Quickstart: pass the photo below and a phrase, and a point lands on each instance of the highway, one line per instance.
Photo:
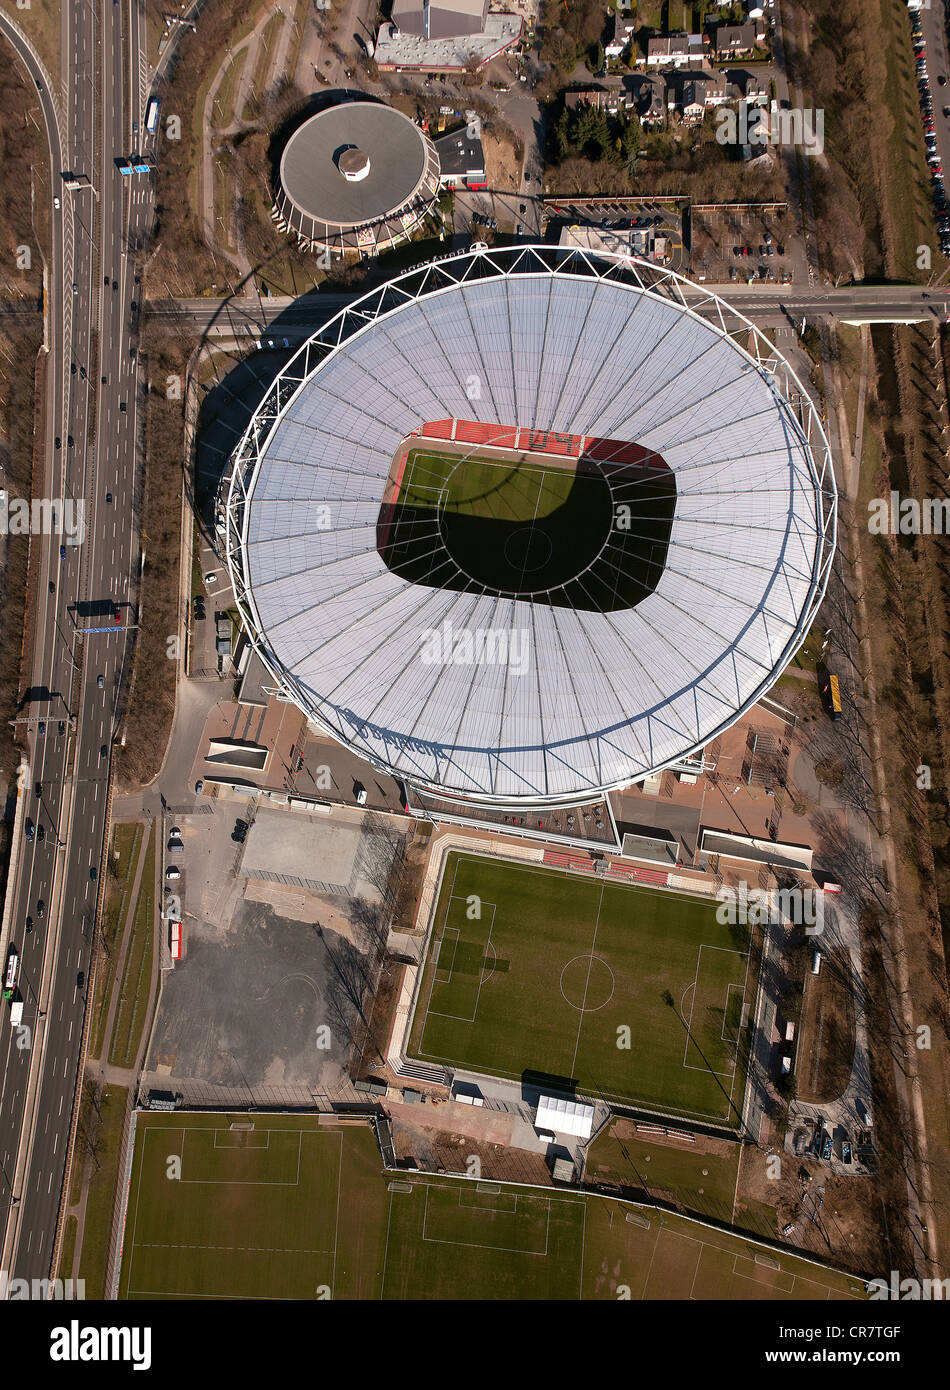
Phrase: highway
(89, 454)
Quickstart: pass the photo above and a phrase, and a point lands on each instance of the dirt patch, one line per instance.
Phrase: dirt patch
(826, 1041)
(446, 1151)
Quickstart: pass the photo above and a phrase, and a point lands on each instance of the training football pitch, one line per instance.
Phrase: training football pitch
(291, 1209)
(573, 534)
(635, 993)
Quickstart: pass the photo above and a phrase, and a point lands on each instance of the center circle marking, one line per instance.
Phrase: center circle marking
(587, 983)
(528, 549)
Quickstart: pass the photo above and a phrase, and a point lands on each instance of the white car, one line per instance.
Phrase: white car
(173, 871)
(56, 203)
(211, 576)
(175, 833)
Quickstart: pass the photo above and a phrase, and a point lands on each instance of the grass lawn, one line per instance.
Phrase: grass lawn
(106, 1126)
(126, 846)
(702, 1182)
(588, 536)
(632, 992)
(130, 1015)
(293, 1209)
(284, 1210)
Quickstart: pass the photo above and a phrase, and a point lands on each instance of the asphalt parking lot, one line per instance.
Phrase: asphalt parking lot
(267, 996)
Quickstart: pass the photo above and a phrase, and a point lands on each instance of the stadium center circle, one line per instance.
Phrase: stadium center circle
(590, 979)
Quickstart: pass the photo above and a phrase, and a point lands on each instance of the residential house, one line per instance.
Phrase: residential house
(646, 95)
(676, 50)
(622, 29)
(609, 101)
(699, 92)
(736, 40)
(461, 160)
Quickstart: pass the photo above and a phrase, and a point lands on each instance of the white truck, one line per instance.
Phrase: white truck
(16, 1013)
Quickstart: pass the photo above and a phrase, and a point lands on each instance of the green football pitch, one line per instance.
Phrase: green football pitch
(578, 536)
(291, 1209)
(634, 993)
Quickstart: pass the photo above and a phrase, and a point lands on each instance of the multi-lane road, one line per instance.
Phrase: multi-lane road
(77, 672)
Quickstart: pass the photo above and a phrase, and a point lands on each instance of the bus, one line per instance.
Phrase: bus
(830, 692)
(151, 116)
(11, 973)
(834, 697)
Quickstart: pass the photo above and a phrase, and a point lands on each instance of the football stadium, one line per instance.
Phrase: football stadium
(528, 524)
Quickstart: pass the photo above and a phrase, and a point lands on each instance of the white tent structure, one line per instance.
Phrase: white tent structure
(565, 1116)
(565, 341)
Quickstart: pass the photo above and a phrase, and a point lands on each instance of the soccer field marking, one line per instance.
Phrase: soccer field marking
(441, 969)
(586, 1008)
(482, 977)
(480, 1245)
(725, 1016)
(447, 1056)
(689, 1066)
(242, 1132)
(241, 1182)
(577, 1041)
(235, 1249)
(148, 1130)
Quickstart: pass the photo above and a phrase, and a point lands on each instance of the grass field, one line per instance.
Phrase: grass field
(534, 970)
(291, 1209)
(521, 526)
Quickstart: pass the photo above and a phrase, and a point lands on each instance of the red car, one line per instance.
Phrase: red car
(117, 615)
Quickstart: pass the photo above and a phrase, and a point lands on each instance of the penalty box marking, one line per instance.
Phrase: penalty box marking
(727, 950)
(241, 1182)
(480, 1245)
(482, 977)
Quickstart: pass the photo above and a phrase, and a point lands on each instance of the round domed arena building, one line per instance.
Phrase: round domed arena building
(358, 176)
(529, 524)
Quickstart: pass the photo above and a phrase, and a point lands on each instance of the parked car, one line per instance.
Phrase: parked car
(173, 871)
(826, 1146)
(30, 829)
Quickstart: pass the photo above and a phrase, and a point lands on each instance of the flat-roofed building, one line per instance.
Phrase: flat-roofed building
(447, 19)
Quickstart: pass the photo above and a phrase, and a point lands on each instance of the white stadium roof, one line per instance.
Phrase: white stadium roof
(565, 1116)
(555, 340)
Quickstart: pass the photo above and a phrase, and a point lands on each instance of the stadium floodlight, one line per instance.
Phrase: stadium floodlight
(527, 524)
